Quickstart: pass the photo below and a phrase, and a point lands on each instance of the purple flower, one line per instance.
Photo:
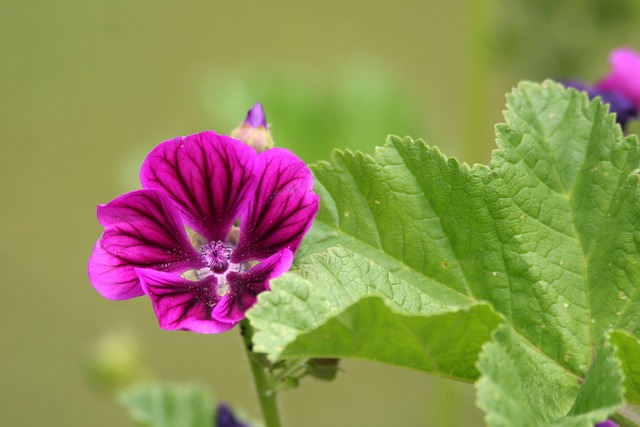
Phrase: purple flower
(606, 423)
(621, 88)
(624, 78)
(226, 418)
(178, 240)
(254, 131)
(623, 107)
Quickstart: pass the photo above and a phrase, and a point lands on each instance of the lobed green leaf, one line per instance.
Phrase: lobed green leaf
(543, 241)
(344, 305)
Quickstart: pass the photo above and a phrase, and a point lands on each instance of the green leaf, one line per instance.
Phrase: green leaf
(170, 405)
(629, 352)
(547, 236)
(347, 306)
(509, 401)
(600, 394)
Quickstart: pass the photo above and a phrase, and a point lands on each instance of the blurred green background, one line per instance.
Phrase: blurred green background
(88, 87)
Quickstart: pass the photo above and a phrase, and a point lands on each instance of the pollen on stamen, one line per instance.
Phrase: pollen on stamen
(216, 256)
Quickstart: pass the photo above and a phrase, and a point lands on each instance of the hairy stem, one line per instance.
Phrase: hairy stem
(261, 378)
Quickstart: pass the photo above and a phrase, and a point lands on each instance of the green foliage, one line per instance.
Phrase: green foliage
(345, 316)
(576, 38)
(629, 352)
(170, 406)
(548, 390)
(313, 111)
(433, 255)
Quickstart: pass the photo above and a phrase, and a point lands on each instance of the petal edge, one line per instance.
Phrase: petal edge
(181, 304)
(142, 229)
(245, 287)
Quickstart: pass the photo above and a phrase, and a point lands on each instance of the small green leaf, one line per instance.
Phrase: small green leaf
(600, 394)
(170, 405)
(567, 400)
(323, 368)
(629, 353)
(510, 401)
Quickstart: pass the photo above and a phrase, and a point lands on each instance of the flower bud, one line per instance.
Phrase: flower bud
(226, 418)
(254, 131)
(116, 362)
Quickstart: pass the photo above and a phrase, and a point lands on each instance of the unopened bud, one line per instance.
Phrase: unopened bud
(254, 131)
(116, 362)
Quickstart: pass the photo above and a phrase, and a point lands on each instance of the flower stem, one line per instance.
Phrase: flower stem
(261, 377)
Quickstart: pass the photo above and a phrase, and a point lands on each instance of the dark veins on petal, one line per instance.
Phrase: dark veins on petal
(180, 300)
(143, 228)
(279, 220)
(188, 172)
(191, 300)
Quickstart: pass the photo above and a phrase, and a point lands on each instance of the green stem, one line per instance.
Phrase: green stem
(261, 378)
(477, 80)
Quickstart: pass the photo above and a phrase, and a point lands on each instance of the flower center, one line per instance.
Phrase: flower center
(216, 256)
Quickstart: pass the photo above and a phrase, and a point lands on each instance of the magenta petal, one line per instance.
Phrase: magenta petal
(111, 276)
(208, 176)
(142, 229)
(281, 210)
(231, 308)
(624, 78)
(245, 287)
(182, 304)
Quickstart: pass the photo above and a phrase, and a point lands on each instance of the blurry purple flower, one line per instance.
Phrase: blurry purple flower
(623, 107)
(607, 423)
(621, 88)
(225, 418)
(624, 78)
(254, 131)
(177, 240)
